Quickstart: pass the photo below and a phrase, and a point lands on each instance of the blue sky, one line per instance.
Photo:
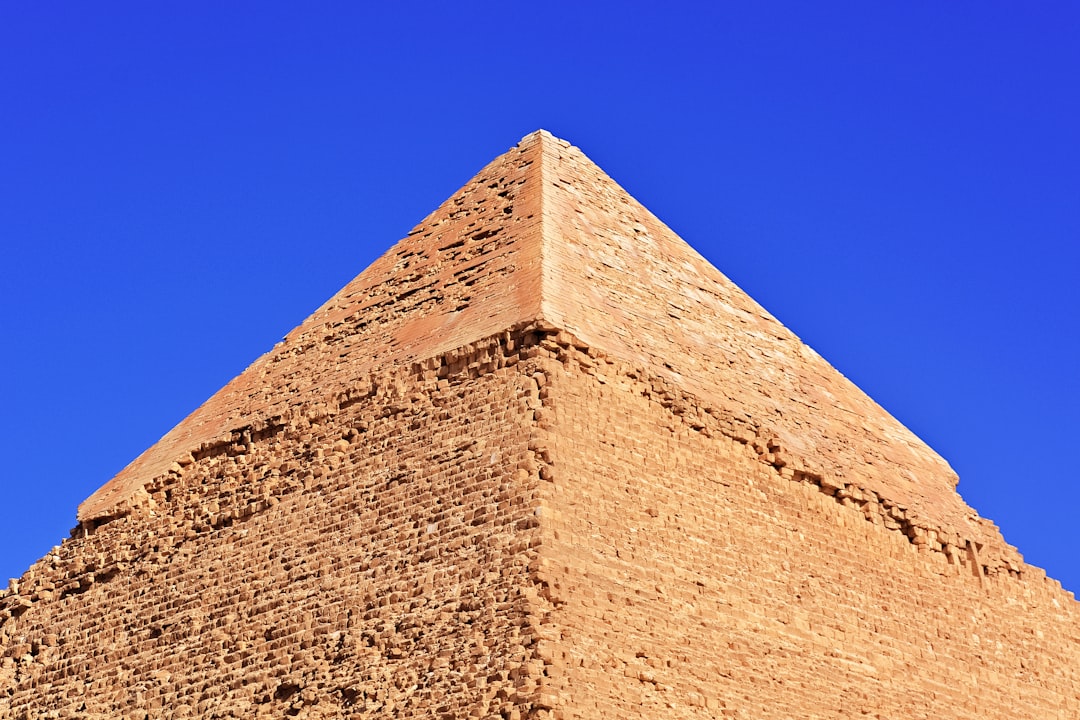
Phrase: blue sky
(899, 183)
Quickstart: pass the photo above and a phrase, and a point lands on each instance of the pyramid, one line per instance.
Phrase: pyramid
(539, 460)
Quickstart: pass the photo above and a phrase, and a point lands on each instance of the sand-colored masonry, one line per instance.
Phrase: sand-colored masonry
(540, 460)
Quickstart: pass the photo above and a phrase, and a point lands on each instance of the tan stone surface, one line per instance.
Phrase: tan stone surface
(469, 271)
(682, 576)
(539, 460)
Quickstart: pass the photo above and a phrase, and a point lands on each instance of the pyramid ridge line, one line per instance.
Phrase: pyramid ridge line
(543, 138)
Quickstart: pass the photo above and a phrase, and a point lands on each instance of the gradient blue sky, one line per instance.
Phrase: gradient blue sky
(898, 182)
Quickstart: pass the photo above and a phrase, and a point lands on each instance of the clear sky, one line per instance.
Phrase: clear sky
(898, 182)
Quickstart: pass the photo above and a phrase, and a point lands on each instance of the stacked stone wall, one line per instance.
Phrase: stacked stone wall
(686, 572)
(526, 527)
(368, 557)
(640, 496)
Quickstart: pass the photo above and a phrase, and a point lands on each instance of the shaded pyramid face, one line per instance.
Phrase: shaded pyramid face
(538, 460)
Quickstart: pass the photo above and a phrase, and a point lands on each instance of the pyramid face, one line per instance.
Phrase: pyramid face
(538, 460)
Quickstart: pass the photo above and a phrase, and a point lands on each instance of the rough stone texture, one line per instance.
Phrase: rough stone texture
(539, 460)
(686, 576)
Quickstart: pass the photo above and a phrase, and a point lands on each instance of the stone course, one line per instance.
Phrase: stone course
(540, 460)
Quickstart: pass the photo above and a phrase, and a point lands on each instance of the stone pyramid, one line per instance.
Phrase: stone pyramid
(539, 460)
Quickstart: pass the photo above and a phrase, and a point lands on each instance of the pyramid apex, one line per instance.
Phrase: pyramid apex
(541, 135)
(537, 133)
